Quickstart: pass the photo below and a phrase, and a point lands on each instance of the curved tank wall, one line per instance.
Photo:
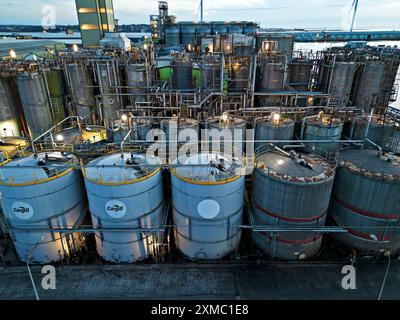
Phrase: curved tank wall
(124, 191)
(48, 193)
(139, 132)
(369, 85)
(175, 129)
(379, 131)
(269, 129)
(9, 117)
(240, 73)
(203, 30)
(55, 83)
(291, 192)
(188, 35)
(342, 80)
(323, 128)
(234, 127)
(35, 102)
(107, 80)
(220, 29)
(207, 205)
(80, 88)
(271, 80)
(137, 81)
(364, 201)
(182, 75)
(172, 36)
(210, 76)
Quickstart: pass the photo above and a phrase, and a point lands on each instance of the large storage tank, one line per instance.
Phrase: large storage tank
(300, 71)
(182, 75)
(234, 127)
(291, 192)
(179, 127)
(220, 29)
(380, 130)
(271, 80)
(342, 80)
(369, 85)
(365, 201)
(172, 36)
(322, 127)
(285, 42)
(35, 102)
(207, 196)
(188, 35)
(43, 192)
(235, 28)
(108, 80)
(137, 81)
(203, 30)
(125, 191)
(210, 76)
(9, 115)
(240, 76)
(140, 128)
(55, 83)
(273, 127)
(80, 86)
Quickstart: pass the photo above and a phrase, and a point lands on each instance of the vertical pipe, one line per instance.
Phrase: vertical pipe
(201, 9)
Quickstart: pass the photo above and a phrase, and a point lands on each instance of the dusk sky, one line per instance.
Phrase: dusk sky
(382, 14)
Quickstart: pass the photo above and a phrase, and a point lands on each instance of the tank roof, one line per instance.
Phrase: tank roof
(299, 168)
(229, 122)
(119, 168)
(372, 163)
(207, 167)
(44, 166)
(268, 121)
(324, 121)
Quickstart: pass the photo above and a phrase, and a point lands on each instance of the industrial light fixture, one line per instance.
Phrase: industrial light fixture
(59, 137)
(124, 117)
(75, 47)
(12, 54)
(225, 117)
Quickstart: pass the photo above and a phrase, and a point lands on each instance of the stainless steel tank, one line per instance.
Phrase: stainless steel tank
(235, 28)
(45, 193)
(203, 30)
(220, 29)
(369, 85)
(210, 76)
(342, 80)
(207, 196)
(188, 35)
(271, 80)
(35, 102)
(125, 191)
(175, 129)
(172, 36)
(322, 128)
(379, 131)
(140, 128)
(290, 192)
(300, 77)
(182, 75)
(80, 87)
(240, 76)
(365, 202)
(234, 127)
(273, 128)
(108, 81)
(137, 81)
(9, 117)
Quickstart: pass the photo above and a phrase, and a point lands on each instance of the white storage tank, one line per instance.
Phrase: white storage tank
(43, 192)
(207, 196)
(125, 192)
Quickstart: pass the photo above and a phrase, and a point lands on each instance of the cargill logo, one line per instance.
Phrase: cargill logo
(21, 210)
(115, 208)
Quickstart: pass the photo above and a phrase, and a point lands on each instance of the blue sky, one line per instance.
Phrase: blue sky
(270, 13)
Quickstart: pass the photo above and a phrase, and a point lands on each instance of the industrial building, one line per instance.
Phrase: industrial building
(96, 17)
(312, 167)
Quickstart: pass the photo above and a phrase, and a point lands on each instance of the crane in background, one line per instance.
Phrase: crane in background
(353, 20)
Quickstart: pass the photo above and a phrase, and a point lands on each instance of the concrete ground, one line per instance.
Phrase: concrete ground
(203, 281)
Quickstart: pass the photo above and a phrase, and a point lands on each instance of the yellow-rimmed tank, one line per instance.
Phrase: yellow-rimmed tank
(40, 194)
(208, 198)
(126, 197)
